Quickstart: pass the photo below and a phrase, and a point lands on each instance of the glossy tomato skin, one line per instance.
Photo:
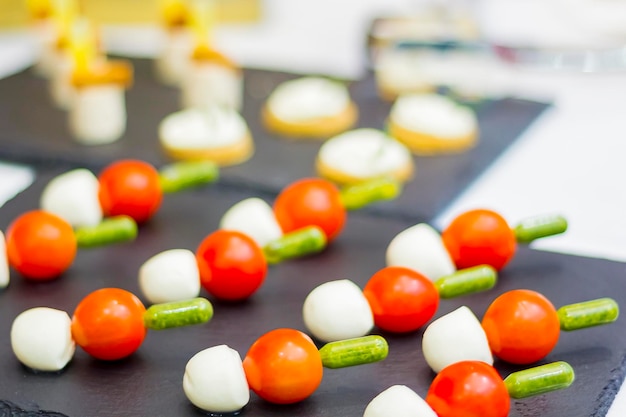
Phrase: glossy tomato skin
(232, 266)
(469, 389)
(40, 245)
(522, 326)
(402, 300)
(479, 237)
(311, 201)
(130, 187)
(108, 324)
(283, 366)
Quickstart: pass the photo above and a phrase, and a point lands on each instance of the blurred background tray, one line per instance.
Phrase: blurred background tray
(150, 381)
(276, 162)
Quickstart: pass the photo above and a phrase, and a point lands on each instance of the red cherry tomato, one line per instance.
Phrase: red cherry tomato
(130, 187)
(108, 324)
(283, 366)
(401, 299)
(40, 245)
(522, 326)
(469, 389)
(232, 265)
(479, 237)
(311, 201)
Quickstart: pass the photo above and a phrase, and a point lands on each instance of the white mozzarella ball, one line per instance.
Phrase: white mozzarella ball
(171, 275)
(5, 274)
(337, 310)
(455, 337)
(398, 401)
(421, 249)
(73, 196)
(215, 380)
(41, 338)
(255, 218)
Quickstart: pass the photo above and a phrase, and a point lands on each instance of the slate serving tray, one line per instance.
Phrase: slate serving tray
(149, 383)
(32, 130)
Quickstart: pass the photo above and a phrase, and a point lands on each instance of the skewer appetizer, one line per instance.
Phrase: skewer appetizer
(520, 326)
(126, 187)
(283, 366)
(171, 63)
(97, 112)
(109, 324)
(211, 77)
(228, 264)
(475, 237)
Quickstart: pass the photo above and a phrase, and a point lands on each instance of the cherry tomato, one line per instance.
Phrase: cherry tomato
(108, 324)
(311, 201)
(130, 187)
(232, 265)
(283, 366)
(401, 299)
(469, 389)
(479, 237)
(40, 245)
(522, 326)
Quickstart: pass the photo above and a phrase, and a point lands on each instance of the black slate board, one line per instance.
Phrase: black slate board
(149, 383)
(33, 131)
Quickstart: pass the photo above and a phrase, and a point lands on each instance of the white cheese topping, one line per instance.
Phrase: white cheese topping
(212, 127)
(308, 98)
(171, 275)
(255, 218)
(337, 310)
(433, 114)
(398, 401)
(364, 153)
(5, 274)
(455, 337)
(73, 196)
(41, 338)
(215, 380)
(421, 249)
